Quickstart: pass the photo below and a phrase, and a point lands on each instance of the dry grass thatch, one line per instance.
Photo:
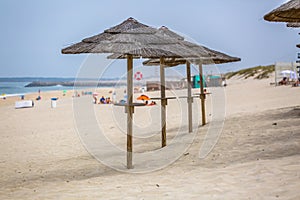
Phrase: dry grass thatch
(144, 41)
(126, 25)
(215, 58)
(293, 24)
(288, 12)
(171, 62)
(205, 55)
(86, 45)
(166, 31)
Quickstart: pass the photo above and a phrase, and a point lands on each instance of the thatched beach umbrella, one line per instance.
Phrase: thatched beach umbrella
(288, 12)
(293, 25)
(215, 58)
(298, 45)
(143, 42)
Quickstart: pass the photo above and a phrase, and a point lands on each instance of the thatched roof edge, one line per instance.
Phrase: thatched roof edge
(293, 24)
(288, 12)
(126, 25)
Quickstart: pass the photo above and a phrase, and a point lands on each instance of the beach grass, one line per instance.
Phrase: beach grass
(258, 72)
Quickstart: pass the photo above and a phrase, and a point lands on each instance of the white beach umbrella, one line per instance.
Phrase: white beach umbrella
(289, 73)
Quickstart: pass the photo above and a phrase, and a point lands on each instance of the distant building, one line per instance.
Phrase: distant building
(208, 81)
(153, 85)
(214, 81)
(170, 85)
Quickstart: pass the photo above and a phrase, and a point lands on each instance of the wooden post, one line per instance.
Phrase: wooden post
(163, 102)
(189, 99)
(129, 109)
(202, 95)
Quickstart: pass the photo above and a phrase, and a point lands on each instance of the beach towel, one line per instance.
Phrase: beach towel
(24, 104)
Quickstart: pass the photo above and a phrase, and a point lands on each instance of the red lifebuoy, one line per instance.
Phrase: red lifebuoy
(138, 76)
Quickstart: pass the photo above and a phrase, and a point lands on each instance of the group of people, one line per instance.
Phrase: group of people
(102, 100)
(152, 103)
(285, 81)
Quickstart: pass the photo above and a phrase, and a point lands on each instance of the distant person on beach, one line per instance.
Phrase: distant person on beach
(224, 82)
(102, 100)
(114, 97)
(76, 94)
(125, 96)
(283, 81)
(297, 83)
(152, 103)
(108, 101)
(39, 95)
(95, 99)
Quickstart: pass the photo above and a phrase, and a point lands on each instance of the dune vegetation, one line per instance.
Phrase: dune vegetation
(258, 72)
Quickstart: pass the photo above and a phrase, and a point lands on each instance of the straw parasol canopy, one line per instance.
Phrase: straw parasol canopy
(87, 44)
(126, 25)
(166, 31)
(218, 59)
(204, 54)
(298, 45)
(293, 24)
(215, 58)
(146, 42)
(288, 12)
(163, 30)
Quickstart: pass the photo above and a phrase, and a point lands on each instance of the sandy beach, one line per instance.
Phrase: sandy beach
(256, 157)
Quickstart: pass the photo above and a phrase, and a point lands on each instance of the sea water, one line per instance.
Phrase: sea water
(18, 88)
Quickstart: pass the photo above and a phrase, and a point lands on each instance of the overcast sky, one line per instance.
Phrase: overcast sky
(33, 32)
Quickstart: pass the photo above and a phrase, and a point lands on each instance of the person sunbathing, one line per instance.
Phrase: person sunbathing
(297, 83)
(152, 103)
(283, 81)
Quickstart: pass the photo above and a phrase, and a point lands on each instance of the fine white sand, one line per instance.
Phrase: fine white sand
(256, 156)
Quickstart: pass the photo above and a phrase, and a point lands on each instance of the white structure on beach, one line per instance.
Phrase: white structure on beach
(281, 67)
